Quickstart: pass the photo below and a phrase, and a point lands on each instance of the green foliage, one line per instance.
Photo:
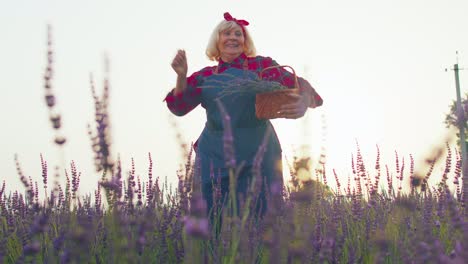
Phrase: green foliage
(452, 119)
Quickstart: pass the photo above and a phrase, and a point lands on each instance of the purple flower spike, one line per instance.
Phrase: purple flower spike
(198, 206)
(32, 249)
(228, 140)
(197, 227)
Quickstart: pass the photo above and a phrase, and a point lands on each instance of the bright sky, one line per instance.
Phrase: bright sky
(379, 65)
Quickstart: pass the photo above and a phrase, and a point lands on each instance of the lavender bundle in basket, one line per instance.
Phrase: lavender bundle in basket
(236, 86)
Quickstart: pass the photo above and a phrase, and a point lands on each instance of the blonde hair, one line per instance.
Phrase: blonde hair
(212, 51)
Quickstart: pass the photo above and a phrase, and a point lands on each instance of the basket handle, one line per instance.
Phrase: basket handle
(296, 82)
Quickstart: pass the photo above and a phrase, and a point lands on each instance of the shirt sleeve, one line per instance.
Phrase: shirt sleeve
(286, 78)
(305, 88)
(182, 103)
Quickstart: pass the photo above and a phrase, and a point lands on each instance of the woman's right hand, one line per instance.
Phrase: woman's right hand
(179, 63)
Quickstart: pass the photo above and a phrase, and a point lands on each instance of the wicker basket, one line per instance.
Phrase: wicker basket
(268, 104)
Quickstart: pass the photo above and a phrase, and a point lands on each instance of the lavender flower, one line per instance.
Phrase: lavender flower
(32, 248)
(197, 227)
(50, 98)
(228, 138)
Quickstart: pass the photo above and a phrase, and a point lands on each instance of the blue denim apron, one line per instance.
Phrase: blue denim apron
(248, 133)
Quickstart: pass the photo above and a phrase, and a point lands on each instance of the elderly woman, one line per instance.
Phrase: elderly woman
(231, 46)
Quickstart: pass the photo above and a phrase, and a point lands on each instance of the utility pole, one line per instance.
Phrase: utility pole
(460, 112)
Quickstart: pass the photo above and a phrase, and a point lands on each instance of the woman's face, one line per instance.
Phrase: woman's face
(231, 42)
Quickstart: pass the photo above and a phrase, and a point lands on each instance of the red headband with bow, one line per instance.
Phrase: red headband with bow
(240, 22)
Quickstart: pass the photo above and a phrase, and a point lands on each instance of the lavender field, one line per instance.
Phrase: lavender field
(129, 220)
(382, 214)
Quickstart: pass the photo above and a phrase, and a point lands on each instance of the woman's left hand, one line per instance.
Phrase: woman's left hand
(297, 109)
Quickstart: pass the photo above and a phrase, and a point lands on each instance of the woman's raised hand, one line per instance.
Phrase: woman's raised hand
(179, 63)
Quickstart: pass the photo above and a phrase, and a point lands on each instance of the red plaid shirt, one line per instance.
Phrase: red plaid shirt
(187, 100)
